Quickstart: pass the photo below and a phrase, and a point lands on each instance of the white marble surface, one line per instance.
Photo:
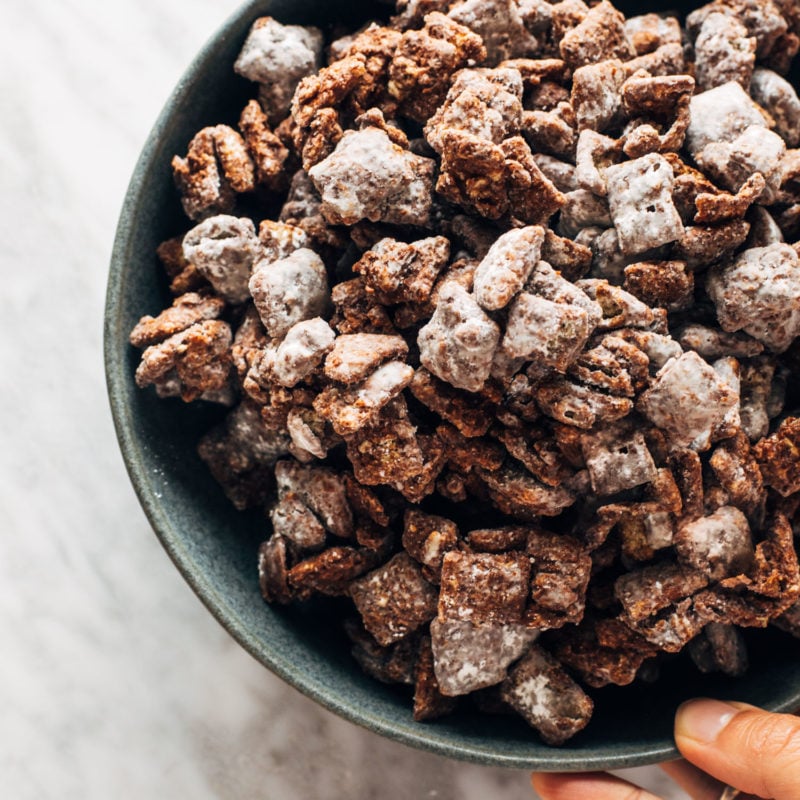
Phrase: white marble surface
(114, 680)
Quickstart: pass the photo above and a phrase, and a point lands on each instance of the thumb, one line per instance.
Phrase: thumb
(753, 750)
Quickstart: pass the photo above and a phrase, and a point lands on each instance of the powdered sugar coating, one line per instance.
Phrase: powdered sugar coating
(301, 350)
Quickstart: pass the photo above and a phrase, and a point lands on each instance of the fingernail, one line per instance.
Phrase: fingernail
(703, 720)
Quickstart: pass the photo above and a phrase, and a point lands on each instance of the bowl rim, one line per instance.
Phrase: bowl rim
(117, 379)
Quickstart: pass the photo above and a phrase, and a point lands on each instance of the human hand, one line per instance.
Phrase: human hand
(731, 744)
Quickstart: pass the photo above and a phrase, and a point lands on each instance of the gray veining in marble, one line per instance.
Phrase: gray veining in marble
(114, 680)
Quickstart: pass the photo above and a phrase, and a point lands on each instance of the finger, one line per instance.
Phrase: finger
(583, 785)
(743, 746)
(696, 783)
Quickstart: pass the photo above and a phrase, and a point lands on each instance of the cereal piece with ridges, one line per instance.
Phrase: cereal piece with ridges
(723, 52)
(517, 493)
(500, 25)
(648, 32)
(779, 457)
(273, 569)
(719, 648)
(394, 599)
(429, 701)
(549, 700)
(289, 291)
(185, 311)
(426, 538)
(471, 414)
(666, 284)
(468, 657)
(295, 522)
(779, 98)
(355, 356)
(224, 249)
(617, 459)
(266, 149)
(331, 571)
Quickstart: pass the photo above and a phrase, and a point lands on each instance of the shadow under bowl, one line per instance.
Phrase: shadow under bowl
(214, 547)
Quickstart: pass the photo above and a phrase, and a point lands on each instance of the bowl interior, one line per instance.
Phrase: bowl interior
(214, 546)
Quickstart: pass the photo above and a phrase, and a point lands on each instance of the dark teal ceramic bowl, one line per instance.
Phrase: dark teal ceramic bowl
(214, 547)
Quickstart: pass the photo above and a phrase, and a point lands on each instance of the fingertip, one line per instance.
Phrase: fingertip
(703, 719)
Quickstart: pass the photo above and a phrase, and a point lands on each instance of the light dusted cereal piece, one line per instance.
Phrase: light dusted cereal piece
(197, 358)
(548, 333)
(545, 282)
(723, 52)
(732, 164)
(426, 538)
(549, 700)
(330, 572)
(321, 489)
(552, 131)
(183, 276)
(600, 36)
(265, 148)
(394, 599)
(278, 57)
(471, 414)
(302, 350)
(397, 272)
(757, 377)
(500, 25)
(289, 291)
(719, 545)
(350, 409)
(356, 311)
(560, 572)
(617, 459)
(302, 209)
(425, 61)
(295, 522)
(539, 454)
(594, 153)
(386, 450)
(240, 453)
(620, 308)
(712, 343)
(369, 177)
(571, 404)
(184, 312)
(465, 454)
(517, 493)
(648, 32)
(779, 457)
(224, 248)
(415, 488)
(666, 60)
(666, 284)
(498, 540)
(484, 587)
(484, 102)
(216, 167)
(468, 657)
(279, 240)
(640, 201)
(720, 648)
(738, 473)
(702, 244)
(764, 231)
(429, 701)
(458, 343)
(571, 259)
(355, 356)
(715, 207)
(583, 209)
(688, 400)
(779, 98)
(756, 293)
(596, 95)
(309, 438)
(720, 115)
(392, 664)
(273, 570)
(560, 173)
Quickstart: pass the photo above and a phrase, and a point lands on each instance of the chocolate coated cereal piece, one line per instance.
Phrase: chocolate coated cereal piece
(484, 587)
(600, 36)
(185, 311)
(755, 294)
(539, 454)
(272, 570)
(464, 454)
(505, 268)
(779, 457)
(517, 493)
(779, 98)
(429, 701)
(738, 473)
(266, 149)
(571, 404)
(289, 291)
(330, 572)
(356, 311)
(723, 52)
(596, 95)
(640, 200)
(223, 249)
(546, 697)
(648, 32)
(355, 356)
(471, 414)
(719, 544)
(184, 277)
(293, 521)
(701, 245)
(711, 343)
(394, 599)
(498, 540)
(426, 538)
(614, 365)
(278, 57)
(617, 458)
(393, 664)
(571, 259)
(397, 272)
(459, 341)
(425, 61)
(667, 284)
(302, 350)
(720, 648)
(350, 409)
(369, 177)
(665, 60)
(688, 400)
(467, 657)
(434, 458)
(500, 25)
